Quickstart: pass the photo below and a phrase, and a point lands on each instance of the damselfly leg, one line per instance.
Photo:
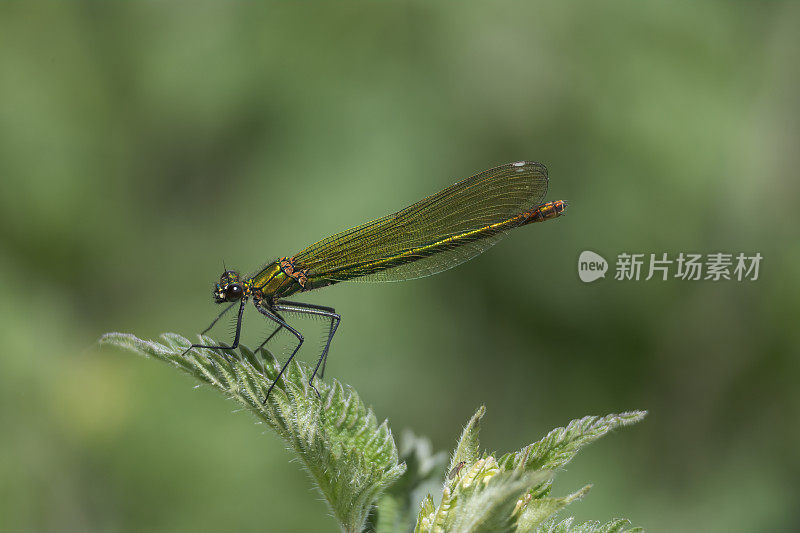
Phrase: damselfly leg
(217, 319)
(235, 338)
(270, 337)
(272, 316)
(315, 310)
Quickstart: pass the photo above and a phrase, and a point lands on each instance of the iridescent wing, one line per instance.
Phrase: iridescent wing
(432, 235)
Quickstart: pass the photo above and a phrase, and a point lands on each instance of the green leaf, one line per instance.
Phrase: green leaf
(481, 499)
(491, 510)
(510, 494)
(536, 511)
(565, 526)
(468, 448)
(561, 445)
(426, 511)
(350, 457)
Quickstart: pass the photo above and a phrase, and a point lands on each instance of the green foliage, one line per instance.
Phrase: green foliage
(513, 493)
(350, 457)
(565, 526)
(355, 463)
(398, 507)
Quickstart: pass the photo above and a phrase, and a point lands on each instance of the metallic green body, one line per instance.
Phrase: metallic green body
(288, 276)
(273, 283)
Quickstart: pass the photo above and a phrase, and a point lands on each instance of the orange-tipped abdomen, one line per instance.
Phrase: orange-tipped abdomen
(546, 211)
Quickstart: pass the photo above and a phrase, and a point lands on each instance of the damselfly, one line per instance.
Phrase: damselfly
(434, 234)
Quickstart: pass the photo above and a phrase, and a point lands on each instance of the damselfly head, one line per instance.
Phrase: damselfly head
(229, 288)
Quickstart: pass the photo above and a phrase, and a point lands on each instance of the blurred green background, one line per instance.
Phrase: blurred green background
(143, 144)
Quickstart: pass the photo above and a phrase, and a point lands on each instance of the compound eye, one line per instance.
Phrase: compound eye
(233, 292)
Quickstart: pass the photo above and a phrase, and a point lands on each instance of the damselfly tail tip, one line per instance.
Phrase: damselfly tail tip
(555, 209)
